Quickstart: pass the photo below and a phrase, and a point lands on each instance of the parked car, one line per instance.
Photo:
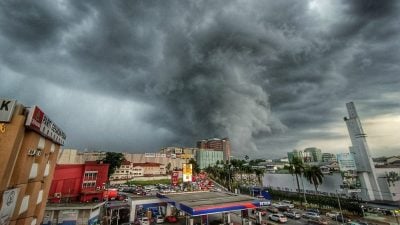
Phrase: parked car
(262, 211)
(317, 221)
(144, 221)
(332, 214)
(292, 214)
(272, 209)
(171, 219)
(283, 208)
(159, 219)
(314, 211)
(341, 218)
(309, 215)
(287, 203)
(278, 218)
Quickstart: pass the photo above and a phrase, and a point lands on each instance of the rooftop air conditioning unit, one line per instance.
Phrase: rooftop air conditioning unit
(32, 152)
(57, 195)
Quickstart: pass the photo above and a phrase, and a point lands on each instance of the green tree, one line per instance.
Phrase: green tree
(115, 160)
(195, 166)
(168, 168)
(314, 175)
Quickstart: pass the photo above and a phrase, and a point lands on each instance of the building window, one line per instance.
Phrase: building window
(90, 175)
(88, 184)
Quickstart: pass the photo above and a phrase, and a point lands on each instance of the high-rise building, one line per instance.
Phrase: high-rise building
(362, 155)
(295, 154)
(315, 154)
(328, 157)
(29, 145)
(217, 144)
(206, 158)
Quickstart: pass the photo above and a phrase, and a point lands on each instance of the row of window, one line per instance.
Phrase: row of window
(90, 175)
(89, 184)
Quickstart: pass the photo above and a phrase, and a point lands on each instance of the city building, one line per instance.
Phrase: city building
(362, 156)
(171, 160)
(29, 145)
(315, 154)
(295, 154)
(217, 145)
(79, 182)
(328, 157)
(128, 171)
(76, 194)
(206, 158)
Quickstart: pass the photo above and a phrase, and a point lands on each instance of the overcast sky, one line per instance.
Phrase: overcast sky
(273, 76)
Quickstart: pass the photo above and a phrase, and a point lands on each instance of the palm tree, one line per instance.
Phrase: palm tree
(314, 176)
(296, 168)
(259, 174)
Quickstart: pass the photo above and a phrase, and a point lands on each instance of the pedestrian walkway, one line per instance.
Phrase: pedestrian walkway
(381, 219)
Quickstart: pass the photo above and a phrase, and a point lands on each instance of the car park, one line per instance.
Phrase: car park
(278, 218)
(341, 218)
(332, 214)
(309, 215)
(287, 203)
(171, 219)
(262, 211)
(159, 219)
(292, 214)
(314, 211)
(317, 221)
(272, 209)
(144, 221)
(283, 208)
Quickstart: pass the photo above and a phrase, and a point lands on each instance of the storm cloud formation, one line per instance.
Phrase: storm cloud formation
(141, 75)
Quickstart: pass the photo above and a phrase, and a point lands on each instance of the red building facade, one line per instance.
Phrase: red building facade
(78, 182)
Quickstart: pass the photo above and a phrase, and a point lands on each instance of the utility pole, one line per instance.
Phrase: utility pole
(340, 207)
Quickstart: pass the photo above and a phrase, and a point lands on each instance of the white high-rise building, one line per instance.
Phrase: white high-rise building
(370, 189)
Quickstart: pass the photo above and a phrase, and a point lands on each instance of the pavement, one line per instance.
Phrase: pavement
(388, 220)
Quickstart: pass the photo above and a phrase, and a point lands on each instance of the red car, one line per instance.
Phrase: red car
(171, 219)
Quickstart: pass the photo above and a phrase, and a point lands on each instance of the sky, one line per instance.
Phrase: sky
(273, 76)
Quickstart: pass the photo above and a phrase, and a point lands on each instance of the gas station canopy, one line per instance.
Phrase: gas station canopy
(201, 203)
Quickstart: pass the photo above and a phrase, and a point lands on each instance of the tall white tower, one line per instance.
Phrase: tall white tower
(362, 156)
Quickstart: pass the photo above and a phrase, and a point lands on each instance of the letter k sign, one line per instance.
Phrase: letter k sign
(4, 105)
(6, 109)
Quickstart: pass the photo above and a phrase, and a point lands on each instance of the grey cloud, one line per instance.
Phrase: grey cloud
(259, 73)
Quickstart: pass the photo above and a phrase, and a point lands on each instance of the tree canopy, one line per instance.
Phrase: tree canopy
(115, 160)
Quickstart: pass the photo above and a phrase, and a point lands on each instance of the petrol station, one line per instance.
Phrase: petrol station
(200, 204)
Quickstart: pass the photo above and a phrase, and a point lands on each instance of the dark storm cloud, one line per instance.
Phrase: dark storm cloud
(263, 73)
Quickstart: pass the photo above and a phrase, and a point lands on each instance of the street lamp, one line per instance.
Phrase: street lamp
(340, 207)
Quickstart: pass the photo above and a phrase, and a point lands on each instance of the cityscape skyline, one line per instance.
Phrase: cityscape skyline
(271, 76)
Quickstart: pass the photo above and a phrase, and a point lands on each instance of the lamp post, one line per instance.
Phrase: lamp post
(340, 207)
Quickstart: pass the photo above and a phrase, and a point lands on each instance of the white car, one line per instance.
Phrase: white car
(278, 218)
(311, 215)
(159, 219)
(144, 221)
(332, 214)
(287, 203)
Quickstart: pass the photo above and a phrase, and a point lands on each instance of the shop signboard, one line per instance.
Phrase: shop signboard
(6, 109)
(7, 209)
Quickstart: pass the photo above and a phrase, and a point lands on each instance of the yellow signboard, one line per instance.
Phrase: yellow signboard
(187, 172)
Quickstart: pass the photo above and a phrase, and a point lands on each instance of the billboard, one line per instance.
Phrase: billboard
(6, 109)
(187, 172)
(7, 209)
(38, 121)
(175, 178)
(346, 162)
